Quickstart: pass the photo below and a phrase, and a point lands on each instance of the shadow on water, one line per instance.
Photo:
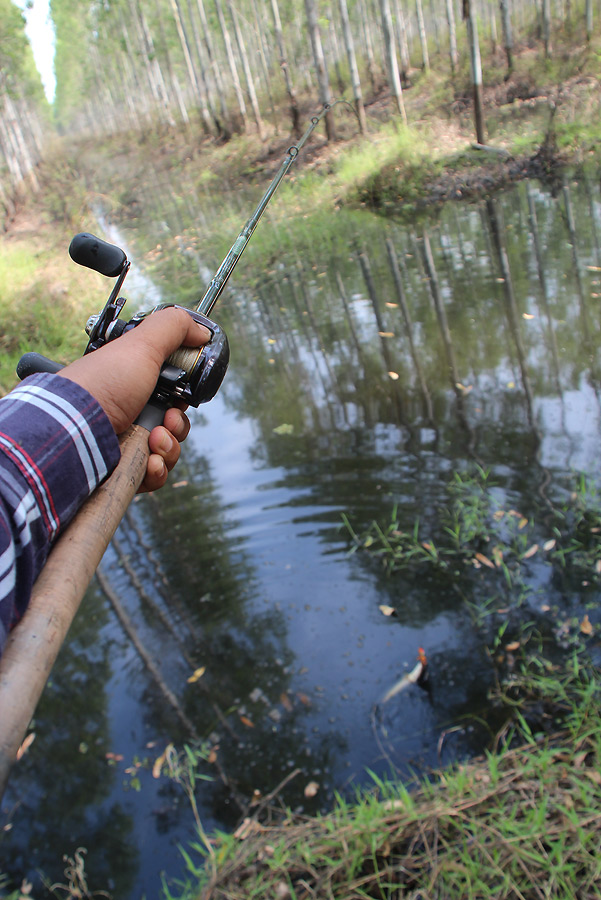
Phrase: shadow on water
(364, 375)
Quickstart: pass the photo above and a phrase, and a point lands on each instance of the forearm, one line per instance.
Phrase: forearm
(56, 446)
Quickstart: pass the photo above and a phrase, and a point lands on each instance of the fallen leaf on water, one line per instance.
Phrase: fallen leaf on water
(158, 763)
(271, 340)
(246, 721)
(116, 757)
(465, 389)
(303, 699)
(386, 334)
(311, 789)
(26, 745)
(387, 610)
(586, 626)
(212, 757)
(497, 555)
(548, 545)
(392, 305)
(285, 701)
(179, 484)
(196, 674)
(394, 375)
(515, 645)
(527, 316)
(530, 551)
(522, 523)
(485, 560)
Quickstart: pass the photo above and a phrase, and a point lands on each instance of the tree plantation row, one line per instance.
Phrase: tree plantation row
(233, 65)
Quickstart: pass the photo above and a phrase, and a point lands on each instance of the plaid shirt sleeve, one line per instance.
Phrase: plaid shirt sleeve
(56, 446)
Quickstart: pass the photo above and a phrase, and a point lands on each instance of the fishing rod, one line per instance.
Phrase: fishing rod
(189, 375)
(192, 376)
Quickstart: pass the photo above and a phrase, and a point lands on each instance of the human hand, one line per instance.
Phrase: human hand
(122, 375)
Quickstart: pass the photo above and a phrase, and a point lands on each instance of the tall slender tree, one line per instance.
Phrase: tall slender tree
(285, 68)
(231, 60)
(394, 77)
(470, 18)
(352, 63)
(248, 76)
(325, 93)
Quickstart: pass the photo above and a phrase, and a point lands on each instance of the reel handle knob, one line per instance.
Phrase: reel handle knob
(94, 253)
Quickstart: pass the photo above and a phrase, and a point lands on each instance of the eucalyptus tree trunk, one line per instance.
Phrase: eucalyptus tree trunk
(231, 60)
(589, 19)
(390, 52)
(207, 94)
(325, 94)
(175, 89)
(185, 45)
(469, 14)
(493, 31)
(423, 40)
(547, 27)
(250, 84)
(137, 96)
(507, 33)
(285, 69)
(212, 57)
(263, 51)
(401, 29)
(334, 53)
(10, 150)
(453, 54)
(352, 63)
(369, 48)
(154, 73)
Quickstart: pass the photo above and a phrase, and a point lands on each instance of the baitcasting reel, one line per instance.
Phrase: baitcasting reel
(192, 375)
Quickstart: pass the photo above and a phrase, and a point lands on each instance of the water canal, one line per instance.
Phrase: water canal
(373, 366)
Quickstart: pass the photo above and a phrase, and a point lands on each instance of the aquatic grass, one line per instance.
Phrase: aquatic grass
(474, 526)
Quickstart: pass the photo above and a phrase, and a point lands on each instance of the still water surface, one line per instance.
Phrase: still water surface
(339, 401)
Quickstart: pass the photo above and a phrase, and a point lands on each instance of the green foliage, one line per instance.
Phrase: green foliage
(13, 43)
(18, 73)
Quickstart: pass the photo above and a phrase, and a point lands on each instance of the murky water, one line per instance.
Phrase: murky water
(368, 366)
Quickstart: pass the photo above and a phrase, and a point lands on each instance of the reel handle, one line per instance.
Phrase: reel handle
(92, 252)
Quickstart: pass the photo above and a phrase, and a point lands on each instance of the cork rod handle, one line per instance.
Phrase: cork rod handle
(33, 645)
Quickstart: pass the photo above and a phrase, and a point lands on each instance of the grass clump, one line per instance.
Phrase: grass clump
(46, 298)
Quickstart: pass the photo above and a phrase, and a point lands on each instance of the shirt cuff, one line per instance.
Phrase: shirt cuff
(61, 441)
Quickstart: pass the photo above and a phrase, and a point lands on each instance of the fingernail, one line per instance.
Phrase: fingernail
(206, 334)
(166, 442)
